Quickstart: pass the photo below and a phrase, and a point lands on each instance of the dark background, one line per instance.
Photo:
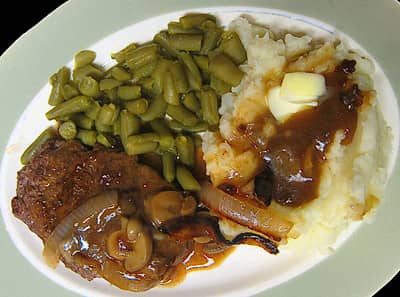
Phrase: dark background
(18, 23)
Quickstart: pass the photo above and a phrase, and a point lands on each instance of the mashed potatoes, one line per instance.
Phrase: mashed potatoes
(353, 175)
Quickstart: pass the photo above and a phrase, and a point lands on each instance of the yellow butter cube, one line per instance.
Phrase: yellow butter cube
(282, 109)
(301, 87)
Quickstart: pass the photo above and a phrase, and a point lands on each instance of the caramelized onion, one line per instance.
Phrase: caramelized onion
(64, 230)
(214, 248)
(245, 212)
(190, 227)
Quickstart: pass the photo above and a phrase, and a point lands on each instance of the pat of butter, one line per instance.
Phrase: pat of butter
(281, 108)
(302, 87)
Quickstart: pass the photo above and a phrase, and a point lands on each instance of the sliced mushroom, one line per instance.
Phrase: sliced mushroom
(143, 245)
(168, 205)
(132, 244)
(133, 228)
(141, 255)
(115, 243)
(189, 206)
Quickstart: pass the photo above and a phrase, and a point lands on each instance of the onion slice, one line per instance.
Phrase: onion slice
(189, 227)
(63, 231)
(245, 212)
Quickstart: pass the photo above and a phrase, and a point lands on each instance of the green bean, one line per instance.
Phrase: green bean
(224, 69)
(212, 54)
(84, 57)
(162, 39)
(76, 104)
(87, 137)
(179, 77)
(144, 137)
(233, 47)
(117, 126)
(210, 41)
(105, 140)
(192, 71)
(129, 124)
(145, 52)
(185, 148)
(58, 81)
(147, 83)
(101, 128)
(69, 91)
(89, 86)
(176, 28)
(178, 127)
(138, 106)
(206, 77)
(201, 62)
(88, 70)
(156, 109)
(120, 74)
(209, 106)
(141, 143)
(109, 83)
(62, 75)
(35, 146)
(129, 92)
(142, 56)
(168, 164)
(194, 20)
(140, 148)
(219, 86)
(189, 63)
(112, 96)
(158, 75)
(53, 79)
(122, 55)
(186, 42)
(190, 101)
(186, 179)
(82, 121)
(93, 110)
(167, 141)
(148, 86)
(170, 94)
(108, 114)
(144, 71)
(182, 115)
(208, 25)
(67, 130)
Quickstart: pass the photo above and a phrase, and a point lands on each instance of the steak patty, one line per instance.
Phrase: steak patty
(64, 174)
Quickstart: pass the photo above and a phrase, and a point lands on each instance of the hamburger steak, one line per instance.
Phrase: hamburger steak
(64, 174)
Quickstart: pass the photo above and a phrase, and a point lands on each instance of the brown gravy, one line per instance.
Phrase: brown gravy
(296, 153)
(198, 259)
(87, 247)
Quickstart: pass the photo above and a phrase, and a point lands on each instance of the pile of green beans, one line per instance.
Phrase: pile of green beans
(156, 97)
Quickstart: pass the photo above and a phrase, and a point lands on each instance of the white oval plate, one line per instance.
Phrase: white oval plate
(249, 270)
